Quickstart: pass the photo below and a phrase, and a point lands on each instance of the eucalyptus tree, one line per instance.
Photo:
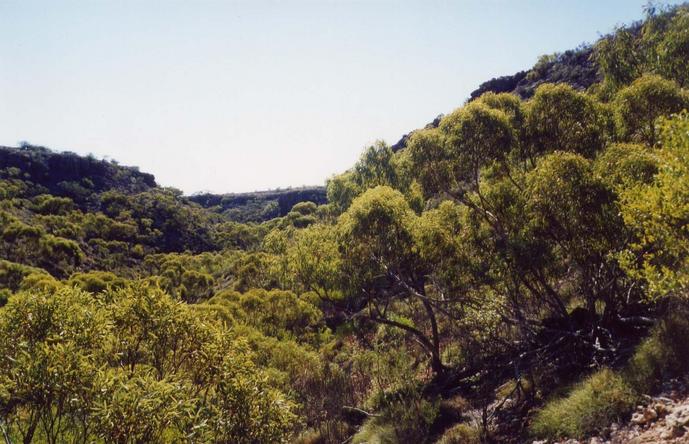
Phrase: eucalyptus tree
(638, 106)
(385, 274)
(558, 118)
(658, 212)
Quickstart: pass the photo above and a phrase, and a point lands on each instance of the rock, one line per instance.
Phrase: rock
(678, 418)
(650, 415)
(672, 432)
(660, 409)
(645, 416)
(683, 414)
(667, 434)
(638, 418)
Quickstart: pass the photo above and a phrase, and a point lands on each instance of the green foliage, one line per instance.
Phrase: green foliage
(302, 215)
(276, 313)
(659, 215)
(442, 238)
(341, 191)
(315, 262)
(50, 357)
(590, 406)
(376, 229)
(242, 408)
(139, 409)
(476, 135)
(377, 166)
(429, 156)
(461, 434)
(406, 416)
(510, 104)
(14, 276)
(638, 106)
(558, 118)
(510, 231)
(47, 204)
(664, 353)
(657, 45)
(588, 223)
(673, 49)
(130, 364)
(620, 57)
(623, 165)
(96, 281)
(234, 235)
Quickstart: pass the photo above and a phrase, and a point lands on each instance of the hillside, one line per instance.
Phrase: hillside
(514, 272)
(259, 206)
(577, 68)
(68, 174)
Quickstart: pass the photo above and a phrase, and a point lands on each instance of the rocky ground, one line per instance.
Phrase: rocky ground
(659, 419)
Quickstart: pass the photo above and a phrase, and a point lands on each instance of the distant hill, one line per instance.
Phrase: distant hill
(82, 178)
(70, 175)
(260, 205)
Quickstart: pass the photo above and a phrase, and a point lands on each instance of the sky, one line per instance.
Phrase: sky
(235, 96)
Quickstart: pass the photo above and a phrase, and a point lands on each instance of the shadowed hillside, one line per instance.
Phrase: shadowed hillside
(260, 205)
(69, 174)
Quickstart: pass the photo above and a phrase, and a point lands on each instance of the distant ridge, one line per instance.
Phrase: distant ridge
(259, 205)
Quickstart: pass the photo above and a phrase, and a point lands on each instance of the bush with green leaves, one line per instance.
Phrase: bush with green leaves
(404, 416)
(658, 213)
(638, 106)
(559, 118)
(130, 365)
(462, 433)
(589, 407)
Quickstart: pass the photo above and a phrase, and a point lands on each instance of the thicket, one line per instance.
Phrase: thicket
(519, 269)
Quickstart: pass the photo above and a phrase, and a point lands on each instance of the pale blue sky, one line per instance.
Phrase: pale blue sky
(240, 96)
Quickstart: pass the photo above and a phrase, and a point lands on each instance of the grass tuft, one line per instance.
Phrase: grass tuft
(590, 406)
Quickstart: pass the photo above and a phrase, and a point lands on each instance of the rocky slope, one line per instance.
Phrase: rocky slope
(658, 419)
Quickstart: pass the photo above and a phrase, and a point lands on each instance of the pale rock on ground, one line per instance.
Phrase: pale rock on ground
(660, 419)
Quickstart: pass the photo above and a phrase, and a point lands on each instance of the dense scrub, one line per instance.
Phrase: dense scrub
(516, 269)
(259, 206)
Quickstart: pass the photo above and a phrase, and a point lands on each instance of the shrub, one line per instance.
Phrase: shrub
(664, 352)
(405, 416)
(639, 105)
(591, 405)
(461, 434)
(373, 432)
(47, 204)
(96, 281)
